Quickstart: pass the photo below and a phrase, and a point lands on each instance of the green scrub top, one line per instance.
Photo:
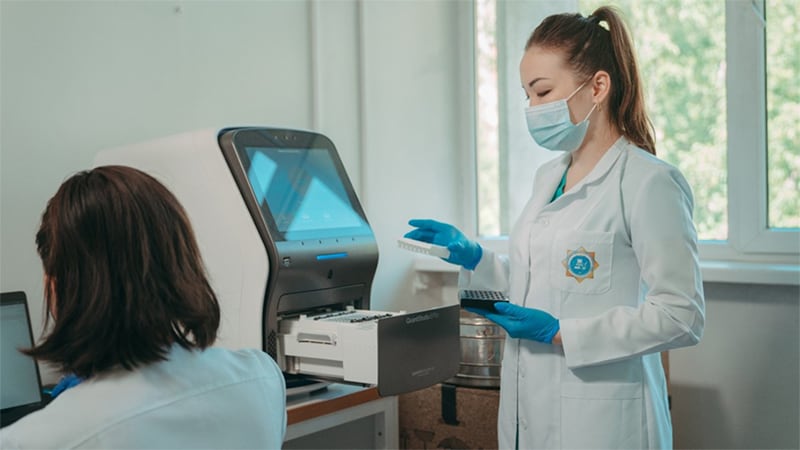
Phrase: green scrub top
(560, 189)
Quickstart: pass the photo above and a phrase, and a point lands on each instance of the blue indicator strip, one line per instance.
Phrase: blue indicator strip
(331, 256)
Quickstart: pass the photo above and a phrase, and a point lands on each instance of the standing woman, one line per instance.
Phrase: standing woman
(133, 321)
(602, 271)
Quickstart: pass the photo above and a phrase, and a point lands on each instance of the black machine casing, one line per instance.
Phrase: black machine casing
(316, 272)
(298, 281)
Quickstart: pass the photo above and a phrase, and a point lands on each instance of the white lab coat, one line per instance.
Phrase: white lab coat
(216, 398)
(615, 260)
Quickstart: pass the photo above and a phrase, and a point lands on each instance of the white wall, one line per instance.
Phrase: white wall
(388, 81)
(740, 387)
(379, 78)
(78, 77)
(414, 147)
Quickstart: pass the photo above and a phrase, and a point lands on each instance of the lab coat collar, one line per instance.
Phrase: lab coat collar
(606, 162)
(545, 187)
(602, 167)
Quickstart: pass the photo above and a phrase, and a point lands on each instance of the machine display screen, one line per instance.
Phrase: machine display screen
(302, 192)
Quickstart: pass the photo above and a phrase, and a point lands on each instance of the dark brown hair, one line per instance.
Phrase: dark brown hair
(126, 280)
(602, 42)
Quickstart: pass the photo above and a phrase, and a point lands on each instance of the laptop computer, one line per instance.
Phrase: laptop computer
(20, 383)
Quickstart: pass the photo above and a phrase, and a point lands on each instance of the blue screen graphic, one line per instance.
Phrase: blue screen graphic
(302, 191)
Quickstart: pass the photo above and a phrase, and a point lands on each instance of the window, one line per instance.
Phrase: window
(764, 148)
(721, 87)
(783, 109)
(488, 158)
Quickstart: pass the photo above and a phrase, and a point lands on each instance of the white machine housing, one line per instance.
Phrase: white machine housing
(193, 168)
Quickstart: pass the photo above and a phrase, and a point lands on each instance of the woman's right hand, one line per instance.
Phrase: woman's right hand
(464, 252)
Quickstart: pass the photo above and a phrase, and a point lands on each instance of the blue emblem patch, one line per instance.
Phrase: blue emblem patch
(580, 264)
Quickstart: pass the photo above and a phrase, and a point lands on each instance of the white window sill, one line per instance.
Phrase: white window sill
(750, 273)
(713, 271)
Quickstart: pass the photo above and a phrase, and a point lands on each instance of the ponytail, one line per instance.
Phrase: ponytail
(602, 42)
(627, 106)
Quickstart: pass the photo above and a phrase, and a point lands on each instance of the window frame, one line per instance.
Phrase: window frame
(745, 33)
(753, 253)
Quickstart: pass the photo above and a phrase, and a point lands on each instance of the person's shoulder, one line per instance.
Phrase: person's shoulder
(57, 425)
(647, 174)
(641, 159)
(643, 166)
(254, 365)
(26, 432)
(245, 359)
(215, 367)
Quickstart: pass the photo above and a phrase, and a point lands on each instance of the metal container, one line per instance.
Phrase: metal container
(482, 344)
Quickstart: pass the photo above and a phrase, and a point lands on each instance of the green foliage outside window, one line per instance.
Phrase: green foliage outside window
(783, 111)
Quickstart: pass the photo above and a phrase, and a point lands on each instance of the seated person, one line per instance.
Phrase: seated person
(133, 320)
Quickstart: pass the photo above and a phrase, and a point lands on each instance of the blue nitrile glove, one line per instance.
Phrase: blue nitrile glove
(463, 251)
(522, 323)
(66, 382)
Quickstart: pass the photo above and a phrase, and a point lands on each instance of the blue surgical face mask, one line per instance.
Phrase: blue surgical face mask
(551, 127)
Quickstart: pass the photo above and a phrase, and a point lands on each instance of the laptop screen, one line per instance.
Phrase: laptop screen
(19, 373)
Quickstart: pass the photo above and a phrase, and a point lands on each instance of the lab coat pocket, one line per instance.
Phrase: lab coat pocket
(602, 415)
(581, 261)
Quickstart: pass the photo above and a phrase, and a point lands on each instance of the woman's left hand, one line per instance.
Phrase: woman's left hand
(522, 323)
